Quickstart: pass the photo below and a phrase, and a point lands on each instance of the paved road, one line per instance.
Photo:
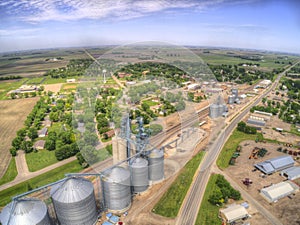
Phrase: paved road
(20, 179)
(190, 207)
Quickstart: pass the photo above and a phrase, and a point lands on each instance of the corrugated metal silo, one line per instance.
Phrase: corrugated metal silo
(156, 165)
(235, 92)
(74, 201)
(221, 109)
(139, 174)
(116, 189)
(26, 212)
(231, 99)
(214, 111)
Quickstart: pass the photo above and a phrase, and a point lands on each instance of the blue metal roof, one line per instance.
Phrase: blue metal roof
(275, 164)
(282, 162)
(107, 223)
(114, 219)
(292, 173)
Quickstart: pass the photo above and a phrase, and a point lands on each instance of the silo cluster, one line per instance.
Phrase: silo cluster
(74, 201)
(234, 97)
(26, 212)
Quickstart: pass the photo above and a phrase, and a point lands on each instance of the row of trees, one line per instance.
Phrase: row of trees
(243, 127)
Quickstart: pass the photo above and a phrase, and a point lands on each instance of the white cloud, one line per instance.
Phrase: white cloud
(64, 10)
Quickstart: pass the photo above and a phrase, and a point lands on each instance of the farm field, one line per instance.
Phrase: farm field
(6, 86)
(12, 116)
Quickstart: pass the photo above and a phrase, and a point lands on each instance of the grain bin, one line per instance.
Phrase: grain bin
(231, 99)
(139, 174)
(156, 165)
(116, 189)
(214, 111)
(74, 201)
(235, 92)
(26, 212)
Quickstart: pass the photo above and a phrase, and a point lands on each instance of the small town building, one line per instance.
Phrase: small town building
(277, 191)
(73, 80)
(276, 164)
(43, 132)
(110, 133)
(39, 145)
(107, 223)
(292, 173)
(233, 213)
(193, 86)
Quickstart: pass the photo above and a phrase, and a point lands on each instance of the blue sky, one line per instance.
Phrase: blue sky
(254, 24)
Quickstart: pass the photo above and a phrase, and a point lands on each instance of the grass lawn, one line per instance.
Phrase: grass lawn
(43, 179)
(56, 126)
(35, 80)
(230, 147)
(171, 201)
(150, 103)
(10, 173)
(41, 159)
(50, 80)
(208, 213)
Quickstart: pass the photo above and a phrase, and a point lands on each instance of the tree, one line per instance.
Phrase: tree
(50, 144)
(81, 160)
(90, 138)
(54, 116)
(16, 142)
(27, 146)
(32, 133)
(216, 197)
(13, 151)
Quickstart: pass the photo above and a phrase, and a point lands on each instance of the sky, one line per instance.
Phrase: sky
(255, 24)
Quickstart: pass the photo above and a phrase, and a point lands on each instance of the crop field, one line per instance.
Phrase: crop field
(12, 116)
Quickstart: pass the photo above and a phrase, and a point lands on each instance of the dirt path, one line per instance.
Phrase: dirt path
(21, 164)
(26, 176)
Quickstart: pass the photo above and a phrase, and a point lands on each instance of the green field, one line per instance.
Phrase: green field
(35, 80)
(43, 179)
(50, 80)
(170, 203)
(39, 160)
(230, 147)
(10, 173)
(208, 213)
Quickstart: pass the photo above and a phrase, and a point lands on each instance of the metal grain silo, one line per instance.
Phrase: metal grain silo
(116, 189)
(231, 99)
(221, 109)
(74, 201)
(156, 165)
(139, 174)
(214, 111)
(26, 212)
(235, 92)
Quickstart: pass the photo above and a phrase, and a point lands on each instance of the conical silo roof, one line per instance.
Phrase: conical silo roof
(116, 175)
(73, 189)
(156, 154)
(139, 163)
(25, 212)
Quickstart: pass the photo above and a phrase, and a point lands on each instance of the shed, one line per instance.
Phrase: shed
(277, 191)
(234, 213)
(276, 164)
(291, 173)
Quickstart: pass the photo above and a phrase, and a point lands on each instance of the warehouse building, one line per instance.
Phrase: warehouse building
(292, 173)
(277, 191)
(234, 213)
(276, 164)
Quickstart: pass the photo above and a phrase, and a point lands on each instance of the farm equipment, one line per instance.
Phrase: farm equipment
(247, 181)
(262, 152)
(254, 153)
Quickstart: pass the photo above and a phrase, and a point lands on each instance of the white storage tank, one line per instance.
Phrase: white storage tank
(74, 201)
(25, 212)
(214, 111)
